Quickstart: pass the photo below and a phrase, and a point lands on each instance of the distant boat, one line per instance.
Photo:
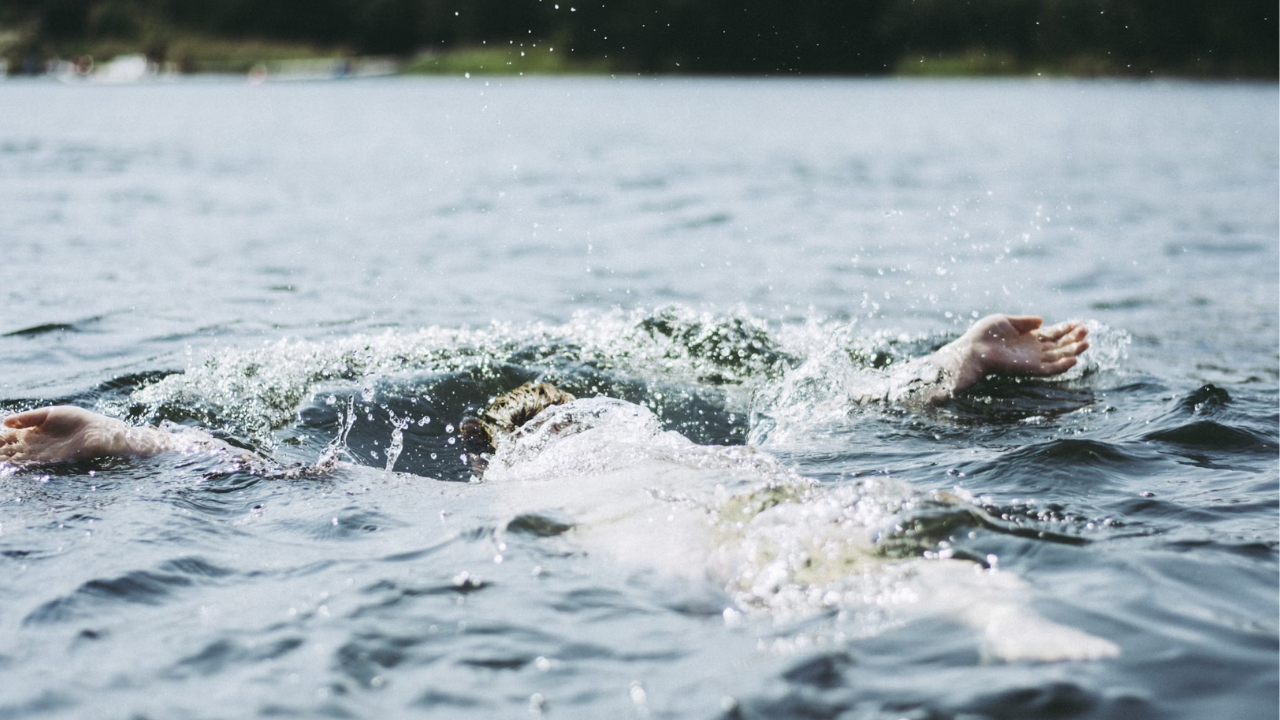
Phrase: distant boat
(119, 70)
(130, 68)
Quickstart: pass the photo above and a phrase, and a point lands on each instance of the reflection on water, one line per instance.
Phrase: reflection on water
(287, 266)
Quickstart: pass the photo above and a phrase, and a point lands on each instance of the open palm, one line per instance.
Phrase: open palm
(1017, 345)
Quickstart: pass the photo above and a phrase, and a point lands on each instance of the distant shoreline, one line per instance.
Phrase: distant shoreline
(469, 63)
(262, 60)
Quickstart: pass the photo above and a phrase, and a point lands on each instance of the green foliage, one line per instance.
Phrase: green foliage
(971, 63)
(508, 60)
(1231, 38)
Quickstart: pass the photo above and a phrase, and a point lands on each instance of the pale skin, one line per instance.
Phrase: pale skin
(1015, 345)
(1001, 344)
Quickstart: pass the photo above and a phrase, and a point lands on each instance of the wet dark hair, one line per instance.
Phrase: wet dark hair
(508, 412)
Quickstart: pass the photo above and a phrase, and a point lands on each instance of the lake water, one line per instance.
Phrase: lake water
(255, 260)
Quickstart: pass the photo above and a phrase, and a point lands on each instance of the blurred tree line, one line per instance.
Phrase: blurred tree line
(858, 37)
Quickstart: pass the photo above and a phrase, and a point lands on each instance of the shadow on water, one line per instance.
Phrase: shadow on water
(838, 684)
(139, 587)
(1208, 428)
(1004, 401)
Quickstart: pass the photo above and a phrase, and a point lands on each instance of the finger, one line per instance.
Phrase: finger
(1024, 323)
(1075, 335)
(1056, 332)
(1058, 366)
(28, 419)
(1071, 338)
(1065, 351)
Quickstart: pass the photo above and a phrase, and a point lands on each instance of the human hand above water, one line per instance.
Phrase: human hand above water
(1013, 345)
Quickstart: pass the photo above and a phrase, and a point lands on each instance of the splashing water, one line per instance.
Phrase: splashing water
(251, 392)
(795, 379)
(337, 447)
(396, 446)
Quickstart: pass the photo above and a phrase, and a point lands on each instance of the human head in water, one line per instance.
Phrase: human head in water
(508, 412)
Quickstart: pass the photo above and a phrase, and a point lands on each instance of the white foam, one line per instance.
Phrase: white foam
(783, 547)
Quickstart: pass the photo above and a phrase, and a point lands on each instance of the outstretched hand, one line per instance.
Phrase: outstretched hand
(60, 433)
(1015, 345)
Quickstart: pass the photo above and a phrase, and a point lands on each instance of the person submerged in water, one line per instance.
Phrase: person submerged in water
(996, 344)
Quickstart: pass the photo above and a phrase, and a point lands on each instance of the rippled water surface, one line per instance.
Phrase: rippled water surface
(281, 264)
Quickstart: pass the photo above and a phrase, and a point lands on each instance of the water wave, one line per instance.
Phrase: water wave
(249, 393)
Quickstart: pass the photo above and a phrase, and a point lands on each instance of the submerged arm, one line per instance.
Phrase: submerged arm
(1004, 344)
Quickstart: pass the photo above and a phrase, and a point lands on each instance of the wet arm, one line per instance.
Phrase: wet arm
(65, 433)
(1004, 344)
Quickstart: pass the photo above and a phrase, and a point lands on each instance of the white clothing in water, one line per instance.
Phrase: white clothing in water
(782, 545)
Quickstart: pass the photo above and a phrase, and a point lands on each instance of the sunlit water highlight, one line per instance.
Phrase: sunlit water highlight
(344, 270)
